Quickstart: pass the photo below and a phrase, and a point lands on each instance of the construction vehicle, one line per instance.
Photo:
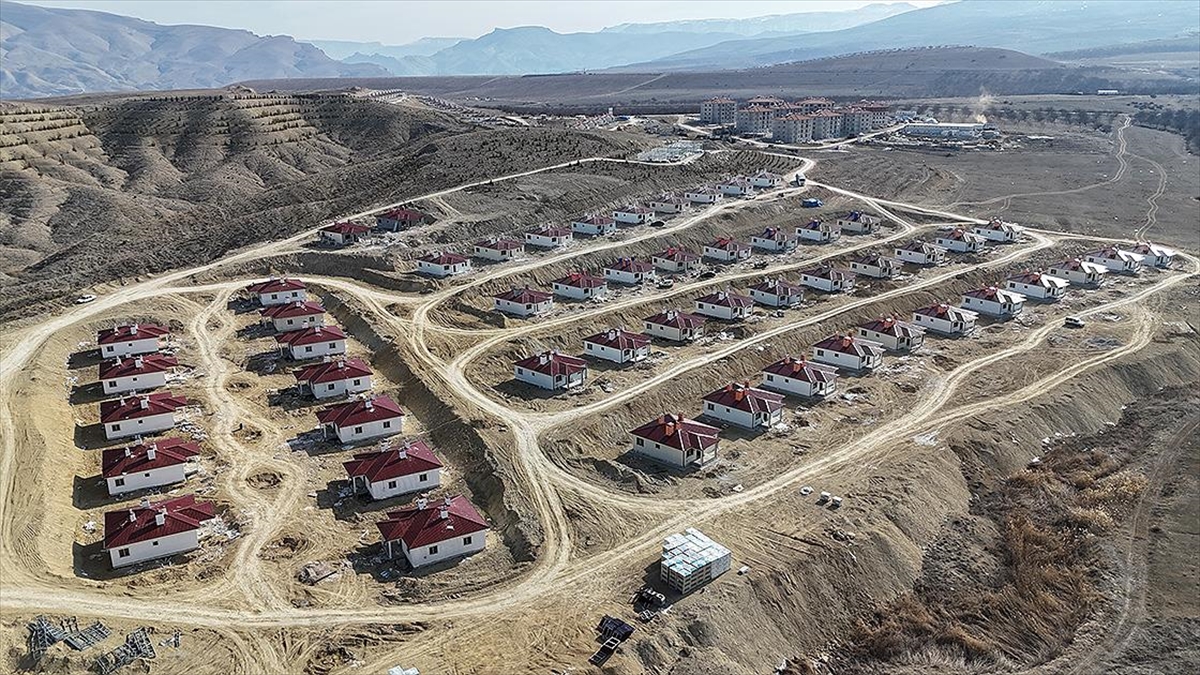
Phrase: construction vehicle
(812, 203)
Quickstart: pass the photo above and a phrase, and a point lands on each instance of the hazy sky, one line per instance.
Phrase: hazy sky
(397, 22)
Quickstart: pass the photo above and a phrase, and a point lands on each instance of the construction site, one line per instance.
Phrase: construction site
(1031, 468)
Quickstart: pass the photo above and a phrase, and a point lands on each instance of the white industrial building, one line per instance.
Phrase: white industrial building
(691, 560)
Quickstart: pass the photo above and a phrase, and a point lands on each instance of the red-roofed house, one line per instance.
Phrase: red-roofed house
(858, 222)
(617, 345)
(137, 373)
(771, 239)
(827, 279)
(140, 415)
(401, 219)
(1116, 260)
(726, 249)
(919, 252)
(818, 231)
(668, 203)
(1038, 285)
(674, 325)
(548, 236)
(361, 419)
(998, 230)
(633, 214)
(498, 249)
(294, 315)
(738, 186)
(147, 465)
(994, 301)
(960, 241)
(425, 534)
(704, 194)
(744, 406)
(312, 343)
(801, 377)
(341, 234)
(522, 302)
(895, 335)
(677, 441)
(724, 305)
(149, 531)
(397, 469)
(874, 265)
(442, 264)
(580, 286)
(847, 351)
(1154, 254)
(1079, 272)
(776, 293)
(595, 225)
(130, 339)
(675, 259)
(629, 271)
(766, 179)
(334, 378)
(279, 291)
(551, 370)
(944, 319)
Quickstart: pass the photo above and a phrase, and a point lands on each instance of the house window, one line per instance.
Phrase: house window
(820, 352)
(433, 550)
(122, 553)
(135, 378)
(120, 482)
(308, 349)
(641, 441)
(108, 348)
(387, 424)
(357, 430)
(467, 541)
(589, 346)
(329, 387)
(146, 475)
(115, 427)
(391, 484)
(710, 406)
(770, 378)
(333, 345)
(154, 543)
(528, 307)
(357, 382)
(423, 478)
(520, 371)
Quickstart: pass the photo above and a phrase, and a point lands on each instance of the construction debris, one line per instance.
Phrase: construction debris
(137, 646)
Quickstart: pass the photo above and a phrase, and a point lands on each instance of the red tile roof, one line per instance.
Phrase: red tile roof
(848, 344)
(404, 215)
(597, 220)
(581, 280)
(993, 293)
(778, 287)
(293, 309)
(130, 332)
(890, 325)
(727, 244)
(667, 198)
(855, 216)
(523, 296)
(795, 117)
(311, 336)
(137, 524)
(678, 432)
(552, 363)
(746, 398)
(346, 228)
(360, 411)
(402, 459)
(276, 286)
(727, 299)
(619, 338)
(134, 458)
(803, 370)
(443, 258)
(630, 265)
(827, 272)
(942, 311)
(1074, 264)
(133, 407)
(959, 234)
(550, 231)
(634, 209)
(872, 258)
(332, 371)
(136, 365)
(814, 225)
(773, 233)
(673, 318)
(675, 254)
(918, 246)
(997, 225)
(1112, 253)
(1039, 279)
(497, 244)
(419, 527)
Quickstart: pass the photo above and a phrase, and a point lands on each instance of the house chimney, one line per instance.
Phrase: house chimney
(137, 362)
(152, 451)
(739, 394)
(402, 451)
(133, 329)
(446, 500)
(369, 404)
(132, 516)
(443, 513)
(128, 451)
(145, 402)
(144, 503)
(160, 518)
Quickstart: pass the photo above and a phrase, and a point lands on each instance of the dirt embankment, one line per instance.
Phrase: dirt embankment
(1026, 573)
(460, 437)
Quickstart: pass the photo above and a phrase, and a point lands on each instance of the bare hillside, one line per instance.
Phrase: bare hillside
(118, 189)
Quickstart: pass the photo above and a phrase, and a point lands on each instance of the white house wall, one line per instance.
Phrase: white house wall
(401, 485)
(320, 349)
(119, 385)
(141, 425)
(450, 548)
(155, 548)
(140, 480)
(341, 387)
(130, 347)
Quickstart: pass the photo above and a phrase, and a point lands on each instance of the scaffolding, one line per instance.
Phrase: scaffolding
(42, 636)
(137, 646)
(80, 640)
